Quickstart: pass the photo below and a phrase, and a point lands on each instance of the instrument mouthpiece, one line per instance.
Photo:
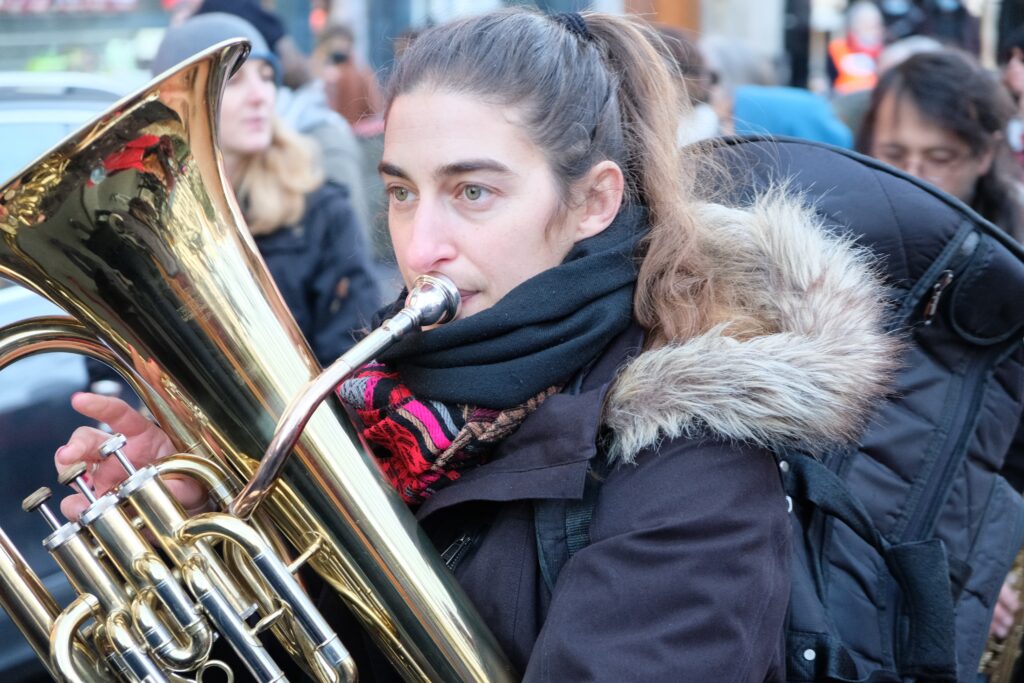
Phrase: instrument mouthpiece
(435, 298)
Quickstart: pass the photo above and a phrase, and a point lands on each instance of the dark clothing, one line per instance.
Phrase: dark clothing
(323, 270)
(687, 574)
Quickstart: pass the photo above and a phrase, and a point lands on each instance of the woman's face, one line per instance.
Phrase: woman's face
(903, 137)
(470, 196)
(1013, 72)
(247, 110)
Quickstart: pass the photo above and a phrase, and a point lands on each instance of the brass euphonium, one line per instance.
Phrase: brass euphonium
(129, 227)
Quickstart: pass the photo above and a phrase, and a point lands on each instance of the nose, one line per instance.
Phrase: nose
(257, 90)
(914, 166)
(426, 243)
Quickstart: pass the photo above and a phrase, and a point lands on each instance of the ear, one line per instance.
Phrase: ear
(601, 190)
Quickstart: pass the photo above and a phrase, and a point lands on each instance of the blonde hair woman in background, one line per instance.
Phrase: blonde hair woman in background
(303, 226)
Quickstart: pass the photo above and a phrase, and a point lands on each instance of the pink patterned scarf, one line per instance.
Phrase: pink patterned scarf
(423, 445)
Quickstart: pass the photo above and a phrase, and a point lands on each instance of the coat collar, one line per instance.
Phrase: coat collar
(548, 456)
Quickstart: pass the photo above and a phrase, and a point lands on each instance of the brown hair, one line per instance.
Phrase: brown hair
(607, 94)
(271, 186)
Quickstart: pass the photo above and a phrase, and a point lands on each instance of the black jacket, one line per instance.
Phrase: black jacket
(323, 269)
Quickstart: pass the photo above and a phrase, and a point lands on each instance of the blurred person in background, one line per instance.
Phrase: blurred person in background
(699, 119)
(853, 57)
(851, 107)
(940, 117)
(952, 24)
(302, 103)
(733, 63)
(791, 112)
(352, 88)
(1011, 61)
(304, 226)
(757, 105)
(294, 70)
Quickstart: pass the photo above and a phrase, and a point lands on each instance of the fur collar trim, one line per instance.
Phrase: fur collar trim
(809, 383)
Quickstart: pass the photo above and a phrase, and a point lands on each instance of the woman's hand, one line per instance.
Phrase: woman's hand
(146, 443)
(1005, 611)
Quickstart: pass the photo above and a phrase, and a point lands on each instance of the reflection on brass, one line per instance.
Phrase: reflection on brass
(129, 226)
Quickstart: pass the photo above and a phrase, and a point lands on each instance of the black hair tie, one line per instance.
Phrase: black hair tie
(575, 24)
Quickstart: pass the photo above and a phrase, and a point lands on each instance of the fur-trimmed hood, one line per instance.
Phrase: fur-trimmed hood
(809, 382)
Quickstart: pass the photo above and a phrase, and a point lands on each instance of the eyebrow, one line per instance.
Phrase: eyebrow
(449, 170)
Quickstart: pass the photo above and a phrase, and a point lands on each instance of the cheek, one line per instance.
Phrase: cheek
(962, 186)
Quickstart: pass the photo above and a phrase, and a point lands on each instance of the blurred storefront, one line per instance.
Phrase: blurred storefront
(118, 37)
(78, 35)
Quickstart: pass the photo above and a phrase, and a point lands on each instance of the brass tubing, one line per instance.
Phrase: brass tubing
(65, 658)
(134, 558)
(64, 334)
(248, 647)
(132, 652)
(169, 650)
(323, 639)
(25, 599)
(86, 572)
(162, 515)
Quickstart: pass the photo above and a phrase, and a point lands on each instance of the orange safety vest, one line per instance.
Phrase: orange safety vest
(857, 68)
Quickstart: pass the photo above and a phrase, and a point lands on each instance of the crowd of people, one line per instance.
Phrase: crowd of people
(608, 302)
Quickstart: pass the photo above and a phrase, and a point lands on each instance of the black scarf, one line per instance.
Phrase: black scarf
(538, 335)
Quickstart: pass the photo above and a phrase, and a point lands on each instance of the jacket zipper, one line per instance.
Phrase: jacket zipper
(918, 527)
(454, 553)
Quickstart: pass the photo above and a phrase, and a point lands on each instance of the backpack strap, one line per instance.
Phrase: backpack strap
(563, 526)
(920, 569)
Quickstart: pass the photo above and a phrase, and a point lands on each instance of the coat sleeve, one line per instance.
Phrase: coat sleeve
(686, 577)
(343, 293)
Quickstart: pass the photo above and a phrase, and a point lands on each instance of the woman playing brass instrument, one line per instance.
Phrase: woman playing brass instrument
(612, 323)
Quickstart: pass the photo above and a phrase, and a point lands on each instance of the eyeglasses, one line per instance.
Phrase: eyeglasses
(932, 162)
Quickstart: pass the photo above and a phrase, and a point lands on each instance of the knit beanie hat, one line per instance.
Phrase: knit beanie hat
(206, 30)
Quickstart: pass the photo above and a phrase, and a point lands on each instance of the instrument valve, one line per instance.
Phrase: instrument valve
(75, 475)
(114, 445)
(37, 501)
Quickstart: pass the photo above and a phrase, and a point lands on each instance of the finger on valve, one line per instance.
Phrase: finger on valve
(146, 442)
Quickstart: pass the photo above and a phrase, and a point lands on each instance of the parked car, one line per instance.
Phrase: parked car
(36, 112)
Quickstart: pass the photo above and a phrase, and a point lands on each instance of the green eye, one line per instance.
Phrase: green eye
(473, 192)
(400, 193)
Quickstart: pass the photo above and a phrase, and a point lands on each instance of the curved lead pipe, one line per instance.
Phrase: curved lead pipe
(433, 300)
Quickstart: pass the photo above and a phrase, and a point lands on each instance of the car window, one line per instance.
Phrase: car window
(23, 142)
